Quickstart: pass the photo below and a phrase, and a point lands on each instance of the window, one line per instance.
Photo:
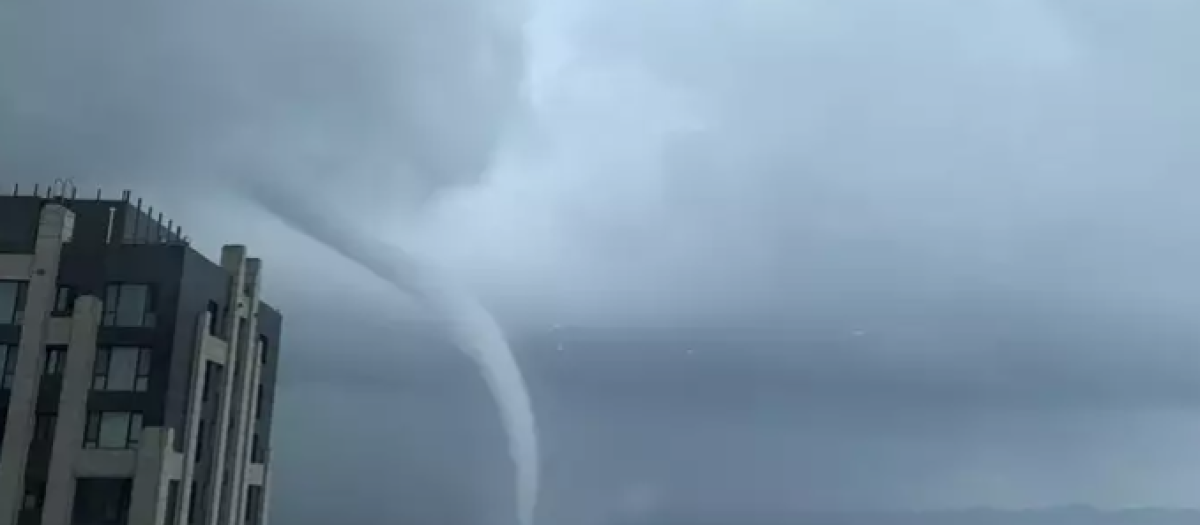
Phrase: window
(56, 360)
(102, 501)
(8, 359)
(172, 500)
(211, 370)
(258, 403)
(122, 369)
(200, 441)
(256, 451)
(192, 507)
(43, 428)
(263, 345)
(64, 301)
(12, 301)
(35, 495)
(113, 430)
(214, 319)
(128, 305)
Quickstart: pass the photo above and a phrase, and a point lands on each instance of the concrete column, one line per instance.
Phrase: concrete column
(72, 411)
(192, 418)
(243, 395)
(233, 259)
(265, 504)
(148, 504)
(54, 228)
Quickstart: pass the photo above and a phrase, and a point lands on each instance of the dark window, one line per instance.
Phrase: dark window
(102, 501)
(12, 301)
(35, 495)
(200, 438)
(43, 428)
(192, 510)
(64, 301)
(129, 305)
(254, 504)
(256, 450)
(211, 371)
(258, 402)
(172, 501)
(56, 360)
(121, 369)
(214, 318)
(8, 359)
(113, 430)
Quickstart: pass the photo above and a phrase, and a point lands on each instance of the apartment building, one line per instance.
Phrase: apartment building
(138, 376)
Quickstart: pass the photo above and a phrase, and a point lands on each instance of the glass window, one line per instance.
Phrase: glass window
(8, 360)
(56, 359)
(200, 439)
(256, 451)
(258, 403)
(35, 495)
(264, 345)
(128, 305)
(64, 301)
(12, 301)
(43, 428)
(113, 430)
(214, 319)
(122, 369)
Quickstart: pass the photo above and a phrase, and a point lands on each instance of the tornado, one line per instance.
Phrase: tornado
(473, 329)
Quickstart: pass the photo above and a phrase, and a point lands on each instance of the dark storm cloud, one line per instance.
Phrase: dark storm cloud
(397, 97)
(971, 222)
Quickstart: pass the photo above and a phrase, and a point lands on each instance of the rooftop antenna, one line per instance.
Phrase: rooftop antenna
(137, 221)
(158, 230)
(36, 189)
(170, 224)
(98, 196)
(112, 215)
(16, 189)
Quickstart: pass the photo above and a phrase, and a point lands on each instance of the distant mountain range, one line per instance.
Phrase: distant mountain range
(1054, 516)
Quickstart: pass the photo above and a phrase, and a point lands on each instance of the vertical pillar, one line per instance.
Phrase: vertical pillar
(264, 506)
(246, 346)
(72, 411)
(233, 259)
(54, 227)
(191, 427)
(148, 503)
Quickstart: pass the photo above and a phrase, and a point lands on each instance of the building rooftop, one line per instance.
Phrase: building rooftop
(120, 219)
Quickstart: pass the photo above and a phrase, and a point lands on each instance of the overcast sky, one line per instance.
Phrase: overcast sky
(828, 254)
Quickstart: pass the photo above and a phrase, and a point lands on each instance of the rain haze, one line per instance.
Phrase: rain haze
(753, 256)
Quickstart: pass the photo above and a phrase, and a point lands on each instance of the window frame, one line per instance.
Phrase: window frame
(112, 305)
(45, 423)
(64, 310)
(55, 363)
(102, 369)
(264, 346)
(95, 422)
(20, 295)
(8, 365)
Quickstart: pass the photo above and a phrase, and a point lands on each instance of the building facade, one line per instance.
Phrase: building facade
(138, 377)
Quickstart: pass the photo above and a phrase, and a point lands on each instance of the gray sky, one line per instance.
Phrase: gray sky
(974, 220)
